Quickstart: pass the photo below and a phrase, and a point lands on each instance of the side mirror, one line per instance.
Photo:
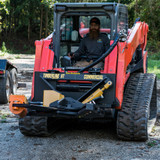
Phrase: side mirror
(66, 61)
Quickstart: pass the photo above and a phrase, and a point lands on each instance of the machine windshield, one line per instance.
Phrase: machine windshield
(74, 28)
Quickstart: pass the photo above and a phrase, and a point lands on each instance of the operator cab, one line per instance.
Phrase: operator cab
(73, 29)
(72, 24)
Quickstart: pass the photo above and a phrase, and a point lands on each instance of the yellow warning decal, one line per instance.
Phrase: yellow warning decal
(64, 76)
(52, 76)
(93, 76)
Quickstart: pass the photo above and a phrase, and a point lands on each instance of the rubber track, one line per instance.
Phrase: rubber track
(34, 126)
(139, 108)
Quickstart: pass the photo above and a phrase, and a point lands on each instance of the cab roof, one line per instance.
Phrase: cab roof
(105, 6)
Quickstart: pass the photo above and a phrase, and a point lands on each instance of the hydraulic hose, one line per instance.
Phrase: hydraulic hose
(104, 55)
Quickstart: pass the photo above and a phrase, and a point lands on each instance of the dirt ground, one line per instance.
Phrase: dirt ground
(75, 141)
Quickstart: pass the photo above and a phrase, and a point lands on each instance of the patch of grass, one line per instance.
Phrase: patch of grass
(18, 57)
(154, 67)
(151, 143)
(3, 118)
(4, 54)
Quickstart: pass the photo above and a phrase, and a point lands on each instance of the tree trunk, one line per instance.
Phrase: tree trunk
(6, 34)
(136, 9)
(40, 33)
(46, 25)
(29, 29)
(151, 8)
(10, 22)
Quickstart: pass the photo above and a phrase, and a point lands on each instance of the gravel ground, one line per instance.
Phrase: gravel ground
(75, 141)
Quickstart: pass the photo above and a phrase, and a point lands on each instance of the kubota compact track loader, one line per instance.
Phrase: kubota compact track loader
(121, 90)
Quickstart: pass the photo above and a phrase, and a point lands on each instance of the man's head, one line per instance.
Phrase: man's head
(94, 28)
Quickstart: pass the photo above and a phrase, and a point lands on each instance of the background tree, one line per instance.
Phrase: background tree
(24, 21)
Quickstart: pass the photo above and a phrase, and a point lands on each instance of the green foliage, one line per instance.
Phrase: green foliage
(4, 49)
(25, 47)
(155, 56)
(154, 67)
(30, 51)
(148, 11)
(152, 143)
(28, 18)
(3, 118)
(153, 45)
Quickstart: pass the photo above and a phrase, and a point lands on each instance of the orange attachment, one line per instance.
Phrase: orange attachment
(18, 99)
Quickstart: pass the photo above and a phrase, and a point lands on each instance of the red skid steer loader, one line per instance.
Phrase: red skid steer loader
(121, 90)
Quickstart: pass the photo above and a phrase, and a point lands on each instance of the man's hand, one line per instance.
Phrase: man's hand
(71, 54)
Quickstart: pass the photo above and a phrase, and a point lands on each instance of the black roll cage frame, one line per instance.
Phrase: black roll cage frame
(110, 9)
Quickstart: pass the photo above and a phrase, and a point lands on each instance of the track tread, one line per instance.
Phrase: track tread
(138, 108)
(34, 126)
